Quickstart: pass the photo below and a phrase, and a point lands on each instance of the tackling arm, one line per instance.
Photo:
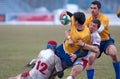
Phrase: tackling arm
(93, 48)
(58, 67)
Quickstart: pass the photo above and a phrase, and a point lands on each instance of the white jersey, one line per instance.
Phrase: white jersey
(46, 62)
(95, 38)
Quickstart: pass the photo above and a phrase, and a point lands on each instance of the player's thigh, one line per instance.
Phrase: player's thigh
(111, 50)
(92, 57)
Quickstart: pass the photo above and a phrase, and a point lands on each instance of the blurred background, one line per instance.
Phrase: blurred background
(19, 43)
(47, 11)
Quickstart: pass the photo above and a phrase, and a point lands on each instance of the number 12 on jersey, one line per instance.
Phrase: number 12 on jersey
(41, 66)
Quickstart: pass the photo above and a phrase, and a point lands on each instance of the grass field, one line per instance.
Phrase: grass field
(20, 44)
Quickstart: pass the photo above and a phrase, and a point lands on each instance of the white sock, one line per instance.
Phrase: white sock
(69, 77)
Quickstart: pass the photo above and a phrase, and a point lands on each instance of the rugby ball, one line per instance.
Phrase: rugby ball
(65, 20)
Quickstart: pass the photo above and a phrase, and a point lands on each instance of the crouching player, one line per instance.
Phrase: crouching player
(45, 64)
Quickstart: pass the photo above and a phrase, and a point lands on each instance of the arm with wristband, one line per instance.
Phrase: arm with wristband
(93, 48)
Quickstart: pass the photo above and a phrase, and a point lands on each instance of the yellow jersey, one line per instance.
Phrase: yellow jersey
(84, 35)
(104, 21)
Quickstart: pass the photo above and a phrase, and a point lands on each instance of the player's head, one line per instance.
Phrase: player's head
(94, 25)
(51, 44)
(96, 3)
(95, 7)
(96, 21)
(79, 17)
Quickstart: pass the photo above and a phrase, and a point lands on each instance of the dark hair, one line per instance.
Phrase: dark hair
(97, 3)
(80, 17)
(96, 21)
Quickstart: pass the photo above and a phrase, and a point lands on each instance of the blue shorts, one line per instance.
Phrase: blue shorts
(105, 44)
(65, 58)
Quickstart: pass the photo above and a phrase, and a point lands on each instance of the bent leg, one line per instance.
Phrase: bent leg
(112, 51)
(90, 69)
(78, 67)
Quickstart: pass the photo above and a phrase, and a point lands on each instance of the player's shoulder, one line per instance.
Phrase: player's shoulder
(103, 16)
(49, 50)
(89, 17)
(96, 35)
(46, 52)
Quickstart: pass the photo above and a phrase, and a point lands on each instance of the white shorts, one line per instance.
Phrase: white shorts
(82, 61)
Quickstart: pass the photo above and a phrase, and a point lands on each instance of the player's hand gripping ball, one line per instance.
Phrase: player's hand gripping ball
(65, 20)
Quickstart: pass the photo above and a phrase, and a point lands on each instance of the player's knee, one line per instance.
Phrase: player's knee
(76, 70)
(92, 58)
(114, 56)
(112, 53)
(90, 63)
(111, 50)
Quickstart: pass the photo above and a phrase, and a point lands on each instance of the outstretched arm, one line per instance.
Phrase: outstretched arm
(31, 63)
(58, 67)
